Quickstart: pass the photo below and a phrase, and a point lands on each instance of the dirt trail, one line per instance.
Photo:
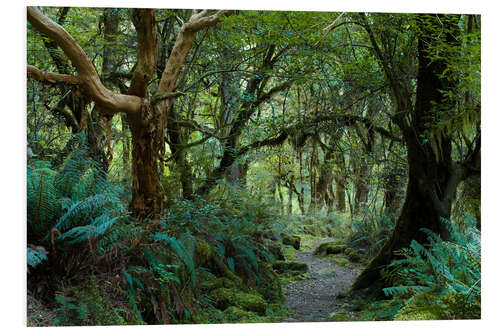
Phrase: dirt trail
(314, 299)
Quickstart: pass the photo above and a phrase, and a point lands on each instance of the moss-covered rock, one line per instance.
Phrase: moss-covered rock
(275, 249)
(289, 252)
(269, 286)
(329, 248)
(226, 297)
(208, 281)
(235, 314)
(311, 230)
(340, 260)
(251, 302)
(352, 254)
(292, 240)
(286, 266)
(203, 253)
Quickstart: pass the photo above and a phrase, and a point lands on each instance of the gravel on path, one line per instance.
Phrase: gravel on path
(313, 299)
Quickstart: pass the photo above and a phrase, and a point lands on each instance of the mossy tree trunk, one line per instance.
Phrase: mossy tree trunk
(433, 176)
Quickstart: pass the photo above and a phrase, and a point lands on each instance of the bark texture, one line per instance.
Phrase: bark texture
(432, 180)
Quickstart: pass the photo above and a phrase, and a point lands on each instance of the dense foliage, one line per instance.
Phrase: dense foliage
(179, 160)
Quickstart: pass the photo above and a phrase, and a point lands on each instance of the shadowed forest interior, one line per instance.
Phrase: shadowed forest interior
(235, 166)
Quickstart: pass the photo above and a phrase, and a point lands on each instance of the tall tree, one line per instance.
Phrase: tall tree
(146, 114)
(433, 175)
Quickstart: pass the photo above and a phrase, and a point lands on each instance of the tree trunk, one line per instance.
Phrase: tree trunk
(394, 191)
(147, 141)
(361, 189)
(433, 177)
(340, 182)
(146, 121)
(178, 139)
(290, 201)
(126, 148)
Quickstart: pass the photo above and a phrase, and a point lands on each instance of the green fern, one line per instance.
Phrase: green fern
(35, 257)
(182, 252)
(82, 211)
(77, 200)
(440, 268)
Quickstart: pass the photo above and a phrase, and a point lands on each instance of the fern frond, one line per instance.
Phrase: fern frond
(83, 210)
(180, 250)
(34, 257)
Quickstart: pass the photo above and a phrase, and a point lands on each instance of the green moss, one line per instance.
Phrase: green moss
(286, 266)
(210, 282)
(291, 277)
(292, 240)
(251, 302)
(458, 306)
(408, 314)
(206, 280)
(224, 271)
(311, 230)
(418, 308)
(352, 254)
(289, 252)
(235, 314)
(226, 297)
(329, 248)
(203, 253)
(426, 306)
(340, 260)
(269, 286)
(275, 248)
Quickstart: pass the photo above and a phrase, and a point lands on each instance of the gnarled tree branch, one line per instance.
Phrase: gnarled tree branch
(50, 77)
(145, 25)
(183, 44)
(89, 79)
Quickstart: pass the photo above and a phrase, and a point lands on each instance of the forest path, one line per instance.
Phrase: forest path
(313, 299)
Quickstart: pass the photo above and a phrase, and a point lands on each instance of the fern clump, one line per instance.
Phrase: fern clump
(442, 278)
(69, 205)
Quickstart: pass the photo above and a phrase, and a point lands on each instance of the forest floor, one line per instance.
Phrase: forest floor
(313, 299)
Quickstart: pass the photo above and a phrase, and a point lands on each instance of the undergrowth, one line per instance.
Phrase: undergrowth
(165, 270)
(441, 279)
(438, 280)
